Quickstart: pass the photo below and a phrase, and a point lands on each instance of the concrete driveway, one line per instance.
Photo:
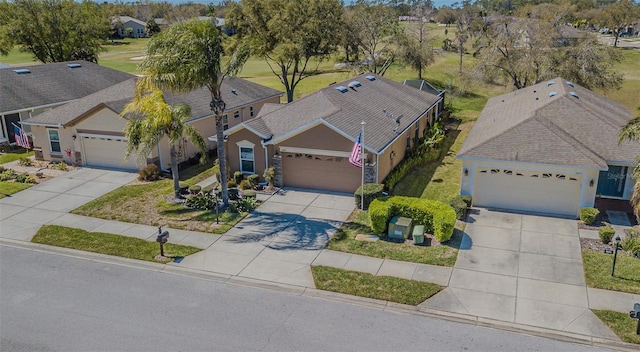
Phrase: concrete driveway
(522, 269)
(279, 240)
(21, 214)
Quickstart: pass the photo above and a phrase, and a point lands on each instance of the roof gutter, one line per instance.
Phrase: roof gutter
(59, 125)
(32, 108)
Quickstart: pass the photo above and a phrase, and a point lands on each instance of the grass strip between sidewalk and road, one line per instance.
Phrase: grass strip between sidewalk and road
(621, 324)
(597, 272)
(386, 288)
(106, 243)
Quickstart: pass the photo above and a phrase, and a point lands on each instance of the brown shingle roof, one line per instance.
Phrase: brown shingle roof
(551, 123)
(344, 111)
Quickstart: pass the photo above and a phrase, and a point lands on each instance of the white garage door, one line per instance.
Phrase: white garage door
(107, 152)
(550, 192)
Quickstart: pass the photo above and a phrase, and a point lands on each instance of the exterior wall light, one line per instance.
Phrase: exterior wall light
(466, 171)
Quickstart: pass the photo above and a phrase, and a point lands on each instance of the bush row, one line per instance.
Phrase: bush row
(371, 192)
(460, 203)
(408, 164)
(437, 217)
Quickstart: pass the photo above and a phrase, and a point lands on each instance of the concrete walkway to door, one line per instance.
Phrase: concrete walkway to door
(523, 269)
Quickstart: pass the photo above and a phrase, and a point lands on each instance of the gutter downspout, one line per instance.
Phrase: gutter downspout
(266, 154)
(160, 159)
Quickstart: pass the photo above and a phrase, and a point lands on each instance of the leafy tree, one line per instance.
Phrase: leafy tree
(152, 119)
(152, 27)
(6, 15)
(415, 46)
(446, 15)
(617, 16)
(189, 55)
(57, 30)
(631, 132)
(289, 34)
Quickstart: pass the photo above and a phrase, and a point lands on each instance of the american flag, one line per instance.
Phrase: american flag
(354, 158)
(21, 137)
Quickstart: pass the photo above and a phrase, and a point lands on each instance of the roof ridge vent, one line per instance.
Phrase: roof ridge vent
(354, 84)
(574, 94)
(371, 78)
(570, 84)
(74, 65)
(550, 83)
(342, 89)
(22, 71)
(553, 93)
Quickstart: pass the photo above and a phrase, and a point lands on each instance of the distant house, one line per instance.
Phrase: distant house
(309, 140)
(548, 148)
(138, 28)
(28, 91)
(89, 131)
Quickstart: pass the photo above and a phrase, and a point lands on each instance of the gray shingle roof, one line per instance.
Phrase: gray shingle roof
(119, 95)
(345, 111)
(557, 123)
(53, 83)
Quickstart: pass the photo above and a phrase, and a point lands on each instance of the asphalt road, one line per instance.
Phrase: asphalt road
(52, 302)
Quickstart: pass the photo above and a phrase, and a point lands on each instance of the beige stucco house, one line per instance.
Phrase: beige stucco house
(548, 148)
(309, 140)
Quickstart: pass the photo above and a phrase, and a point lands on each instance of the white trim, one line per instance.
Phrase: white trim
(102, 136)
(245, 144)
(486, 160)
(59, 142)
(334, 153)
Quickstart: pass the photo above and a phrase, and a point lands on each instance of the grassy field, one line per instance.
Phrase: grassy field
(106, 243)
(597, 272)
(386, 288)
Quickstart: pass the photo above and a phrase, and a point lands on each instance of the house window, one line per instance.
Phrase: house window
(246, 160)
(236, 114)
(54, 141)
(225, 122)
(251, 111)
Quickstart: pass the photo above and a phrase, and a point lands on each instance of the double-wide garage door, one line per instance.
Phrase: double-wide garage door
(330, 173)
(107, 152)
(531, 191)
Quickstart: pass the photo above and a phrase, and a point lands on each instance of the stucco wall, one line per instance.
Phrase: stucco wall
(233, 151)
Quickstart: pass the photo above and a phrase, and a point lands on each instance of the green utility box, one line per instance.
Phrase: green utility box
(399, 228)
(418, 234)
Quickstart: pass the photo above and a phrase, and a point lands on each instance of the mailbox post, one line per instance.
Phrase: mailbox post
(635, 313)
(163, 237)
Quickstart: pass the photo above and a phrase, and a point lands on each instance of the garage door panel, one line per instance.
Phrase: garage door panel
(106, 152)
(544, 192)
(320, 172)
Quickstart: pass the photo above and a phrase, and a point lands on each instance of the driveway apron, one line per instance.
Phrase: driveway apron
(522, 269)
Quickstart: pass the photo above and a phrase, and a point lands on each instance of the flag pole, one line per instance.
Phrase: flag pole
(362, 164)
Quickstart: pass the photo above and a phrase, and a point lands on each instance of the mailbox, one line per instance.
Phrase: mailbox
(163, 237)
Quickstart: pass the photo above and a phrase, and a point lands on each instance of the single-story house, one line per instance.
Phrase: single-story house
(27, 91)
(309, 141)
(89, 131)
(548, 148)
(138, 27)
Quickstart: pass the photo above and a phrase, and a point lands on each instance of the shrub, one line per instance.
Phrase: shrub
(21, 178)
(371, 192)
(437, 217)
(244, 184)
(207, 190)
(30, 179)
(249, 193)
(459, 205)
(270, 175)
(2, 168)
(467, 199)
(588, 215)
(606, 234)
(183, 187)
(60, 165)
(195, 189)
(234, 194)
(231, 184)
(150, 172)
(7, 175)
(238, 176)
(201, 201)
(245, 205)
(24, 161)
(253, 180)
(631, 242)
(409, 163)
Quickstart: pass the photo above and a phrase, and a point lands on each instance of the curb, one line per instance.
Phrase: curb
(326, 295)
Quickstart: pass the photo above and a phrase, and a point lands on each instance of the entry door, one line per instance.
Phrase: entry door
(611, 182)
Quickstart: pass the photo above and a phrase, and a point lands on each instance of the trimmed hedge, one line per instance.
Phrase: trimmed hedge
(437, 217)
(207, 190)
(249, 193)
(238, 176)
(606, 234)
(459, 206)
(371, 192)
(195, 189)
(588, 215)
(254, 179)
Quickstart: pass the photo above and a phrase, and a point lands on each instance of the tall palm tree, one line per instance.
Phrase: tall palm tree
(187, 56)
(150, 119)
(631, 132)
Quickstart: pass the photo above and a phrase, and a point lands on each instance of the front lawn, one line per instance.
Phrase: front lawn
(9, 188)
(621, 324)
(106, 243)
(386, 288)
(149, 204)
(597, 271)
(358, 223)
(16, 154)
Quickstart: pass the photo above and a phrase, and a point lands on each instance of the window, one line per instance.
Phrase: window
(236, 114)
(225, 122)
(251, 111)
(246, 160)
(54, 141)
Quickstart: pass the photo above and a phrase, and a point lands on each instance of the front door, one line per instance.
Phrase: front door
(611, 182)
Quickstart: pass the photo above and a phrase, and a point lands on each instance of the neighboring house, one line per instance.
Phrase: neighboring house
(89, 131)
(139, 28)
(29, 90)
(309, 140)
(548, 148)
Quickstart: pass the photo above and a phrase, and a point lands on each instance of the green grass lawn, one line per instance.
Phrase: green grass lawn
(12, 155)
(106, 243)
(386, 288)
(9, 188)
(597, 271)
(358, 223)
(621, 324)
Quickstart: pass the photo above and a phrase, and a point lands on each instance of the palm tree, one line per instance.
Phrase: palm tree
(188, 56)
(631, 132)
(150, 119)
